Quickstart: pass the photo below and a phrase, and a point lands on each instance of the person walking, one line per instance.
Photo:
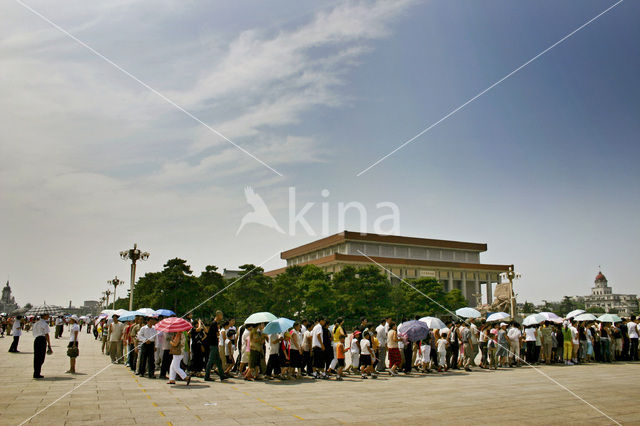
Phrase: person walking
(547, 341)
(177, 342)
(318, 348)
(116, 329)
(72, 347)
(335, 334)
(214, 353)
(16, 332)
(41, 344)
(381, 333)
(395, 358)
(468, 348)
(632, 331)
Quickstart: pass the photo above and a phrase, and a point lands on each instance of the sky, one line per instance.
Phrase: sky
(139, 141)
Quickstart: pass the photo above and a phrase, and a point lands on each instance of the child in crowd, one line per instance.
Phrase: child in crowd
(442, 344)
(229, 348)
(355, 352)
(340, 357)
(367, 357)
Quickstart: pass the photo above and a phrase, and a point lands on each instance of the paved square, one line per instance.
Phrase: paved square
(116, 396)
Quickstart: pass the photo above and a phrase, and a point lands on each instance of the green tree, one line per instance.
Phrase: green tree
(595, 310)
(528, 308)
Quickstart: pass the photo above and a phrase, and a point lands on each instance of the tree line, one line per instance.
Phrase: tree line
(300, 292)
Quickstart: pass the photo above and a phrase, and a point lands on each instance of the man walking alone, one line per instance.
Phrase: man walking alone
(40, 344)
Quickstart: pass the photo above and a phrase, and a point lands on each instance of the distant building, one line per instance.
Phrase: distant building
(7, 302)
(455, 264)
(602, 296)
(230, 273)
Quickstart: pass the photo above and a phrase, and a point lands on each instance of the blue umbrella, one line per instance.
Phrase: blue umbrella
(414, 330)
(131, 315)
(165, 313)
(278, 326)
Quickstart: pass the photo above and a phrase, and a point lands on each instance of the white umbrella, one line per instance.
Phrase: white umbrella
(585, 317)
(108, 312)
(468, 313)
(533, 319)
(498, 316)
(147, 312)
(444, 330)
(574, 313)
(434, 323)
(550, 316)
(609, 318)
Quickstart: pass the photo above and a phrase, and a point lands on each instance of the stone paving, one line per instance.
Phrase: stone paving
(115, 395)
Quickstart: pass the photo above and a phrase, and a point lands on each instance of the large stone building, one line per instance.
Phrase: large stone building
(602, 296)
(455, 264)
(7, 302)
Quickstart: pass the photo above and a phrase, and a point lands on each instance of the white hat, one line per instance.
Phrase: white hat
(503, 323)
(74, 317)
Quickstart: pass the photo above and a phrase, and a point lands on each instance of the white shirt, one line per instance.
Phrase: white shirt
(382, 335)
(295, 340)
(316, 335)
(228, 345)
(305, 341)
(303, 329)
(222, 338)
(355, 348)
(15, 328)
(514, 334)
(474, 333)
(274, 344)
(146, 333)
(40, 328)
(72, 337)
(530, 334)
(632, 327)
(58, 321)
(365, 346)
(574, 335)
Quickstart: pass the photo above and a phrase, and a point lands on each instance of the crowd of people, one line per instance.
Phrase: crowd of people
(320, 349)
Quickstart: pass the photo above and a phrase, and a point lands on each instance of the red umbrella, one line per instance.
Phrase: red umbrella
(173, 324)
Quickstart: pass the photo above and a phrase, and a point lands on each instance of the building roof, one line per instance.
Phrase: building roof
(600, 277)
(350, 258)
(389, 239)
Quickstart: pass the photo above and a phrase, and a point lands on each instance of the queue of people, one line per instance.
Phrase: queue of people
(321, 349)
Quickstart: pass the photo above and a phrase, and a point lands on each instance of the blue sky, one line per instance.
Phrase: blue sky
(542, 168)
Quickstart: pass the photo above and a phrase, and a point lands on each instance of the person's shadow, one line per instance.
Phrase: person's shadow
(56, 378)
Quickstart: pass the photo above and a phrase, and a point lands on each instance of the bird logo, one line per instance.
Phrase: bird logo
(260, 214)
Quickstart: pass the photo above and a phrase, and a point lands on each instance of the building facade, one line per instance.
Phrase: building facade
(602, 296)
(454, 264)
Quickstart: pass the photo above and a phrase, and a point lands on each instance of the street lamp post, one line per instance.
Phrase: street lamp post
(115, 283)
(511, 275)
(134, 255)
(107, 293)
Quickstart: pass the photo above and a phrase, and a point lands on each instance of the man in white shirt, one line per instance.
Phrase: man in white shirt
(575, 341)
(59, 327)
(474, 340)
(632, 329)
(147, 338)
(381, 332)
(41, 342)
(317, 347)
(16, 332)
(515, 339)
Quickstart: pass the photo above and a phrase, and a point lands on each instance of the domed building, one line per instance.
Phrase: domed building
(602, 296)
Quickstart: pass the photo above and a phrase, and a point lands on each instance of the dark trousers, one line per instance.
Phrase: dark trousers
(455, 350)
(633, 347)
(484, 352)
(14, 344)
(146, 359)
(133, 357)
(273, 365)
(531, 349)
(408, 357)
(306, 362)
(166, 362)
(39, 353)
(214, 358)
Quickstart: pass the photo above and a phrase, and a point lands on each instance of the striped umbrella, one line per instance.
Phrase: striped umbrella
(45, 309)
